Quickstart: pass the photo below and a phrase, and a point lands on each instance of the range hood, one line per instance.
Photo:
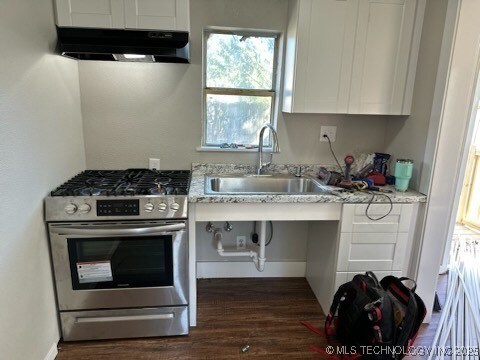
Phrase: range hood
(123, 45)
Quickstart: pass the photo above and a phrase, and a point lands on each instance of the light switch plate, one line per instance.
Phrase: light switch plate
(154, 164)
(330, 131)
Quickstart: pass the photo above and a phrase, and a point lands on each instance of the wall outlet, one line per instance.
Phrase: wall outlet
(241, 242)
(154, 164)
(330, 131)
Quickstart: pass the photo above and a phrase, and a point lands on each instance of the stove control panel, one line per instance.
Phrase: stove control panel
(78, 208)
(118, 207)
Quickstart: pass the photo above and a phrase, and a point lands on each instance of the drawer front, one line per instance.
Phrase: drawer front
(371, 251)
(343, 277)
(354, 218)
(124, 323)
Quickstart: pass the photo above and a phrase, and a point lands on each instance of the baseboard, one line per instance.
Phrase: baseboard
(52, 353)
(237, 269)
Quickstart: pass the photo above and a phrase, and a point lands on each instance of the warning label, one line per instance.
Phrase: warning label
(95, 271)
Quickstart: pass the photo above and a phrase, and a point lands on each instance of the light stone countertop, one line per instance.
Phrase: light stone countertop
(197, 194)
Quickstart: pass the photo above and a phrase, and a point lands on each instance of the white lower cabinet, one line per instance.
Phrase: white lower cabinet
(361, 244)
(374, 245)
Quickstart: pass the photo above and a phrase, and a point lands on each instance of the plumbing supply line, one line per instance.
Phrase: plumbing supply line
(257, 257)
(262, 241)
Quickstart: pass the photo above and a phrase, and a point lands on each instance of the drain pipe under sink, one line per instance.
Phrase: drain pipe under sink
(257, 257)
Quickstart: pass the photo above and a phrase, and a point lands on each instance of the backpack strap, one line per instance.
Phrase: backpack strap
(414, 287)
(313, 328)
(333, 309)
(321, 351)
(371, 275)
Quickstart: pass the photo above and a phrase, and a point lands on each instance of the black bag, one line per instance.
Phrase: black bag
(377, 319)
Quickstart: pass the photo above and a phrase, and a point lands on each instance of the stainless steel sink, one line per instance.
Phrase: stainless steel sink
(264, 184)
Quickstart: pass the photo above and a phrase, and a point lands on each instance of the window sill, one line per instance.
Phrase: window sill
(219, 149)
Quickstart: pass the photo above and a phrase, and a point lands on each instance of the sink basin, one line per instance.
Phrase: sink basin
(264, 184)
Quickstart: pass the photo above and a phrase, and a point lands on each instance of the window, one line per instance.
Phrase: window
(239, 90)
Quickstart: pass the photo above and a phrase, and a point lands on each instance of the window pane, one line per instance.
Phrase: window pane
(240, 62)
(236, 119)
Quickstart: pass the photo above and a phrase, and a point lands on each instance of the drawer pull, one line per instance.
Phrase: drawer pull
(124, 318)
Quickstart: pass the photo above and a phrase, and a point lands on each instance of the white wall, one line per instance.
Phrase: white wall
(406, 137)
(135, 111)
(41, 145)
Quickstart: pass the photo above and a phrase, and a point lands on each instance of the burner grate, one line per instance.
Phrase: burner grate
(126, 182)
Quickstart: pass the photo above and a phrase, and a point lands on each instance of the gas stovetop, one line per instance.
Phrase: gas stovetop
(126, 182)
(120, 194)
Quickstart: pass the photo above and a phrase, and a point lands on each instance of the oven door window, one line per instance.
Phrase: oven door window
(121, 262)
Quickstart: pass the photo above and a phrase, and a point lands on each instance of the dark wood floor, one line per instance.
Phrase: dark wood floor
(262, 313)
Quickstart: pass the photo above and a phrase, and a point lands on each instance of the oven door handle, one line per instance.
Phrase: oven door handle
(113, 231)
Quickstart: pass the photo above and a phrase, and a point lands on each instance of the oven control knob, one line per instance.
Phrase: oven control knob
(84, 209)
(71, 209)
(174, 206)
(148, 207)
(162, 207)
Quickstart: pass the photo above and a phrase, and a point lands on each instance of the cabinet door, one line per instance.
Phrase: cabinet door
(320, 44)
(382, 54)
(90, 13)
(372, 251)
(157, 14)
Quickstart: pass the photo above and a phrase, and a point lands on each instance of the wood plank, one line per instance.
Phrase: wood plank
(263, 313)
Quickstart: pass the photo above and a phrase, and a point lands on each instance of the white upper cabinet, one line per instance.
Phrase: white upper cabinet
(124, 14)
(91, 13)
(352, 56)
(383, 53)
(157, 14)
(318, 64)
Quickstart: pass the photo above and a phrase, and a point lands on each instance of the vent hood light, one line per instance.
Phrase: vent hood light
(134, 58)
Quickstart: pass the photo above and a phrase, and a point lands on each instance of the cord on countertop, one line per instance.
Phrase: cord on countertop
(370, 203)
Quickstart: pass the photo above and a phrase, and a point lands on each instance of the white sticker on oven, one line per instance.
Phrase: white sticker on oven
(94, 271)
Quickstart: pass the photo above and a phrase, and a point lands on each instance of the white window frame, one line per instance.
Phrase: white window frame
(272, 93)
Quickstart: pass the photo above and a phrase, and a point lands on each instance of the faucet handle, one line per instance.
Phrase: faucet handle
(268, 163)
(298, 171)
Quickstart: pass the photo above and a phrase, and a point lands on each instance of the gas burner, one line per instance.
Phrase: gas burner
(130, 182)
(88, 191)
(162, 180)
(156, 191)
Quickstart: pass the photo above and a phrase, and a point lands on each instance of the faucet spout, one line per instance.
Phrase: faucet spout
(261, 165)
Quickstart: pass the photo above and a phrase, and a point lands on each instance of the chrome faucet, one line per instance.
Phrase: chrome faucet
(262, 165)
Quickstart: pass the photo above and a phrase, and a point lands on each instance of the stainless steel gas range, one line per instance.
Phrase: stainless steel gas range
(120, 254)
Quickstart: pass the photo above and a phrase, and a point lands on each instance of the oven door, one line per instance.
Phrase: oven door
(110, 265)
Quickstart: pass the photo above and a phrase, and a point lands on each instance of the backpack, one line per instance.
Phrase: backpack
(374, 320)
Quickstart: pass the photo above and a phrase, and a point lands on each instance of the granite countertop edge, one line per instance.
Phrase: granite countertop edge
(197, 188)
